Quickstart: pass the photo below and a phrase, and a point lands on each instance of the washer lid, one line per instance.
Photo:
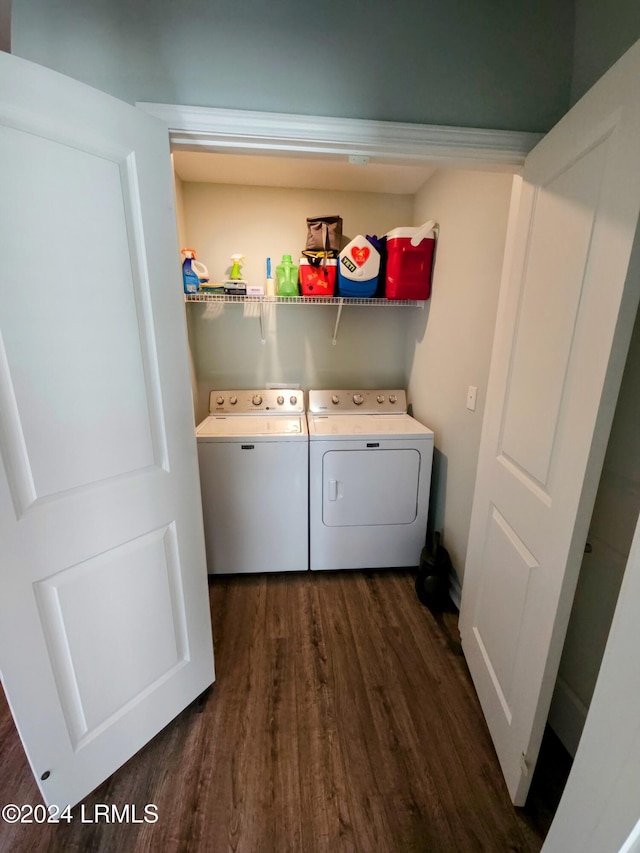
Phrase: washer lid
(324, 427)
(239, 427)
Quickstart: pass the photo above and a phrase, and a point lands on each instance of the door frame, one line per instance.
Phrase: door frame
(598, 810)
(248, 132)
(229, 131)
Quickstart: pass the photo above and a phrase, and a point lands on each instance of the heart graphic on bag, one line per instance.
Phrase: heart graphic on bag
(360, 254)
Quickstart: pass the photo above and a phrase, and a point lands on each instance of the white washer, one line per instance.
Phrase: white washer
(370, 476)
(253, 451)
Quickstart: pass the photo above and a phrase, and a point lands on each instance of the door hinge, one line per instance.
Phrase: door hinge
(524, 765)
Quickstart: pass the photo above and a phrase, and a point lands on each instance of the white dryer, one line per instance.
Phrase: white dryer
(253, 453)
(369, 480)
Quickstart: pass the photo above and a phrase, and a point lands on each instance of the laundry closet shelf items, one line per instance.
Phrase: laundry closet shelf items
(336, 301)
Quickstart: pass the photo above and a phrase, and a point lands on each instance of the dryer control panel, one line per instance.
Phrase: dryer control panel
(276, 401)
(358, 402)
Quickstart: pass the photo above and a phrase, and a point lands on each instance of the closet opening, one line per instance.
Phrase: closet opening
(226, 186)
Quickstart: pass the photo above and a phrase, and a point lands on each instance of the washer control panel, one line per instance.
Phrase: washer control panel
(358, 402)
(276, 401)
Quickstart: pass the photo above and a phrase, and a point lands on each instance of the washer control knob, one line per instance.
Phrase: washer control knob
(219, 401)
(393, 398)
(280, 400)
(335, 399)
(293, 400)
(233, 400)
(256, 399)
(358, 399)
(380, 398)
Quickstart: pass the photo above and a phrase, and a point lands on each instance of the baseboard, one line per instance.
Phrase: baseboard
(567, 716)
(455, 589)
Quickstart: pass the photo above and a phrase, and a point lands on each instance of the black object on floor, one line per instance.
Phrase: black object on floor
(432, 580)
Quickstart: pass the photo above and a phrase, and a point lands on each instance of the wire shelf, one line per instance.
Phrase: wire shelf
(263, 301)
(301, 300)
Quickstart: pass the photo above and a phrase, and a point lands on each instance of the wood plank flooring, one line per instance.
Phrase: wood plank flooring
(343, 718)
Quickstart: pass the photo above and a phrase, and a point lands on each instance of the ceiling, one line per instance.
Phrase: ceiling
(331, 172)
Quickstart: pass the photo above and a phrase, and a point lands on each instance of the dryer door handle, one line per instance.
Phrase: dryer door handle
(333, 490)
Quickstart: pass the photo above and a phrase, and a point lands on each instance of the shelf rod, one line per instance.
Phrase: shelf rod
(263, 337)
(335, 331)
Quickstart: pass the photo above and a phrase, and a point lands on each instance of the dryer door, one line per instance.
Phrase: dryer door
(370, 487)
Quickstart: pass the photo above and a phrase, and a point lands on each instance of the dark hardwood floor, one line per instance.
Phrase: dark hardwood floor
(343, 718)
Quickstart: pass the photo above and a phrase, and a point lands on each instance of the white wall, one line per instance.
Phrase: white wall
(449, 346)
(260, 222)
(436, 352)
(611, 531)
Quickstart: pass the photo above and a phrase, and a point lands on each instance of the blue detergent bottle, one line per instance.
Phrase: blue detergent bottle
(190, 278)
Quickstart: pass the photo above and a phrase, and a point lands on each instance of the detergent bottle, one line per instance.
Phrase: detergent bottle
(193, 272)
(287, 277)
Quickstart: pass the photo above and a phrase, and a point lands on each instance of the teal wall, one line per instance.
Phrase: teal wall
(603, 32)
(495, 64)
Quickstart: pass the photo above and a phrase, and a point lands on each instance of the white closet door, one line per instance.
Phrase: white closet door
(105, 631)
(564, 323)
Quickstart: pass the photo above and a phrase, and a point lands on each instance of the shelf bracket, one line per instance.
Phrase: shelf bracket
(263, 336)
(334, 340)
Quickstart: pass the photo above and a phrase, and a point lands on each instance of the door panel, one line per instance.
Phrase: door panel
(370, 487)
(562, 214)
(89, 616)
(564, 322)
(508, 569)
(88, 289)
(103, 592)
